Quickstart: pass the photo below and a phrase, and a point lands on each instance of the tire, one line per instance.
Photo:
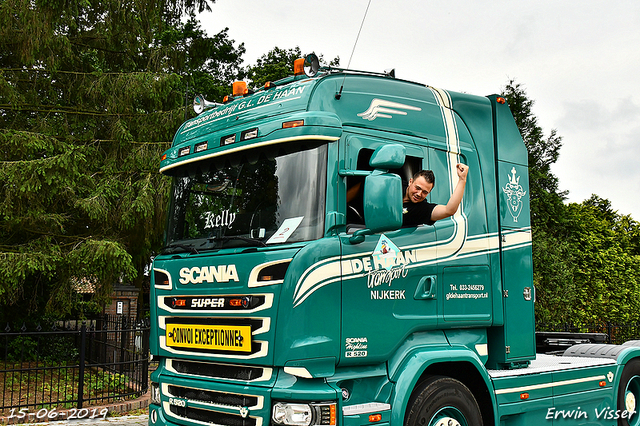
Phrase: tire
(442, 401)
(629, 393)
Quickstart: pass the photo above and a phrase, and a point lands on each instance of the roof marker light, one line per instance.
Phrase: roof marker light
(501, 100)
(199, 147)
(240, 88)
(249, 134)
(298, 66)
(226, 140)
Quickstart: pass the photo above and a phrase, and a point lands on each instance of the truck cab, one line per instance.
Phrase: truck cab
(290, 294)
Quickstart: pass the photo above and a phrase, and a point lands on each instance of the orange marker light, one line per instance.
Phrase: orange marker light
(375, 418)
(164, 157)
(240, 88)
(501, 100)
(294, 123)
(603, 384)
(524, 396)
(298, 66)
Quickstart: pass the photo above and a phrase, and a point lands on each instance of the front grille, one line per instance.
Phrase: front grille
(213, 417)
(221, 371)
(213, 397)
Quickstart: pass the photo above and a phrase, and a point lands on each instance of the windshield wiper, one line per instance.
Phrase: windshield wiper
(190, 249)
(254, 241)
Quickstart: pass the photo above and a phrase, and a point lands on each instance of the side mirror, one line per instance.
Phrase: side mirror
(382, 193)
(383, 202)
(390, 156)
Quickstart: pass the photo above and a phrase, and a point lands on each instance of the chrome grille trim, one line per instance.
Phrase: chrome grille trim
(261, 374)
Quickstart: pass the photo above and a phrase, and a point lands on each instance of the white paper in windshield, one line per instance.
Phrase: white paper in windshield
(286, 229)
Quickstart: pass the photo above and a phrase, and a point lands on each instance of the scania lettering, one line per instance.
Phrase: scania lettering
(196, 275)
(289, 294)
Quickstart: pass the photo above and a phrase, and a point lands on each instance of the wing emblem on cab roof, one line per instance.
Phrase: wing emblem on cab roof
(384, 109)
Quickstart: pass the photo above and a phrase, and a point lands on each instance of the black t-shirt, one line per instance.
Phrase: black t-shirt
(414, 214)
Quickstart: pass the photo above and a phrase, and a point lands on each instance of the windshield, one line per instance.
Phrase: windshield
(256, 197)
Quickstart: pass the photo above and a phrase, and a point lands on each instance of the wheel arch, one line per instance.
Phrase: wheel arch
(461, 364)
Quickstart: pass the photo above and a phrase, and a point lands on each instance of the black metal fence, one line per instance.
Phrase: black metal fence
(73, 363)
(615, 333)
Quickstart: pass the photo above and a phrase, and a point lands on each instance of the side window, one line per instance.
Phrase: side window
(355, 184)
(355, 187)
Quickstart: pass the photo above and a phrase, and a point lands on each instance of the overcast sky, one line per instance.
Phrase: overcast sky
(578, 60)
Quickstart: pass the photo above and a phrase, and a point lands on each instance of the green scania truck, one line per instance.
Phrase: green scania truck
(289, 294)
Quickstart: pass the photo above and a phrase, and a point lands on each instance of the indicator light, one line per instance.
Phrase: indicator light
(501, 100)
(375, 418)
(164, 157)
(603, 384)
(299, 414)
(524, 396)
(294, 123)
(274, 272)
(161, 278)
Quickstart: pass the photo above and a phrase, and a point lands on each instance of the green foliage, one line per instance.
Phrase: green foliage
(91, 94)
(585, 256)
(277, 64)
(22, 349)
(607, 273)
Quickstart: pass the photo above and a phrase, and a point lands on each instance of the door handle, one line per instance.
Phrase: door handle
(426, 288)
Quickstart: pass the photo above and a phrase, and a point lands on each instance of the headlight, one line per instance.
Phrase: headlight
(155, 393)
(297, 414)
(292, 414)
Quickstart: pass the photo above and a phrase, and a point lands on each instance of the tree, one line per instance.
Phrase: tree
(553, 270)
(585, 256)
(607, 272)
(546, 200)
(91, 94)
(277, 64)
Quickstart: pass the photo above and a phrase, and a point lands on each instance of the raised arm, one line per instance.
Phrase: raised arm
(443, 211)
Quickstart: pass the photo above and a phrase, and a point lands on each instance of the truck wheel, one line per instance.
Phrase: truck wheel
(443, 401)
(629, 393)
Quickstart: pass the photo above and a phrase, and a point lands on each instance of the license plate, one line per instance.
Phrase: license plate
(211, 337)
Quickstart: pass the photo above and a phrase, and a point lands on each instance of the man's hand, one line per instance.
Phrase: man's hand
(443, 211)
(462, 170)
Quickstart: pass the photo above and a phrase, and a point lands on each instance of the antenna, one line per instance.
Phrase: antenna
(339, 94)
